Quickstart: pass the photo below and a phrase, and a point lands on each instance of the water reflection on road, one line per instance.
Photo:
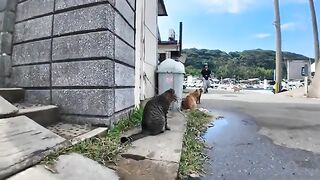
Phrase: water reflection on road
(239, 152)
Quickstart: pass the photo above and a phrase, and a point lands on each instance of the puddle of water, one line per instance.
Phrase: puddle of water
(230, 129)
(218, 127)
(239, 152)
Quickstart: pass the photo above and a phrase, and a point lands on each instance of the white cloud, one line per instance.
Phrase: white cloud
(262, 35)
(294, 1)
(289, 26)
(229, 6)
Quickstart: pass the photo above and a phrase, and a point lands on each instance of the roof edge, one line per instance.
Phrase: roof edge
(163, 6)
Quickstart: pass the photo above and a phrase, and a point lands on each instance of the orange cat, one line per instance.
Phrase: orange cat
(192, 99)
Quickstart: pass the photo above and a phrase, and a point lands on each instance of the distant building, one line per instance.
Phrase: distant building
(146, 54)
(171, 48)
(294, 68)
(313, 68)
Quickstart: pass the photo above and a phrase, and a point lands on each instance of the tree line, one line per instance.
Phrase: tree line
(255, 63)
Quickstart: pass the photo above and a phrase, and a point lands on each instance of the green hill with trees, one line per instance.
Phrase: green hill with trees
(256, 63)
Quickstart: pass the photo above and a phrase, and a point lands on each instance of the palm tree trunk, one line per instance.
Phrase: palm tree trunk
(315, 86)
(278, 46)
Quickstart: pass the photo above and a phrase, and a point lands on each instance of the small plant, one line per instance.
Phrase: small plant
(193, 156)
(104, 149)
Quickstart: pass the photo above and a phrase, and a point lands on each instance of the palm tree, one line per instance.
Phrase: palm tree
(315, 86)
(278, 46)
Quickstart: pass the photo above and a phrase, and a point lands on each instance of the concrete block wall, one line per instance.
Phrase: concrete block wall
(7, 17)
(78, 55)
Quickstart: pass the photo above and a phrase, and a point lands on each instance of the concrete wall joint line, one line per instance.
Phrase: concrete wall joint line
(116, 10)
(60, 11)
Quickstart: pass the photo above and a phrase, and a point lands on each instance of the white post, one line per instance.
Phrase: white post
(278, 46)
(265, 84)
(306, 85)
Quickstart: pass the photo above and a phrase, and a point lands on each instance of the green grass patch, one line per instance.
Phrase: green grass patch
(193, 156)
(104, 149)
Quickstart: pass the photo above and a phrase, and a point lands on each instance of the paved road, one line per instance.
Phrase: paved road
(263, 137)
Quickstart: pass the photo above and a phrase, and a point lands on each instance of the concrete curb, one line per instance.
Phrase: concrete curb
(155, 157)
(98, 132)
(68, 167)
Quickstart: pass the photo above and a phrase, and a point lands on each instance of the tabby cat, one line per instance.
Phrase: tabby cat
(154, 120)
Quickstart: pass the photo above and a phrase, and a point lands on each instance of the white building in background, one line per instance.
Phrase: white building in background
(313, 67)
(294, 69)
(147, 35)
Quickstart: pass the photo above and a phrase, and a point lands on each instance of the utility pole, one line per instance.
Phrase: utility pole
(315, 32)
(278, 46)
(315, 84)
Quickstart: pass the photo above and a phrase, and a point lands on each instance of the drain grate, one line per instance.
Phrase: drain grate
(69, 131)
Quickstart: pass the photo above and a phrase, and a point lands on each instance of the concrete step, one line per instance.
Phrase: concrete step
(69, 130)
(24, 143)
(6, 108)
(68, 167)
(45, 115)
(13, 95)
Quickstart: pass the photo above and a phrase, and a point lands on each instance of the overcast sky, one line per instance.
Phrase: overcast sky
(236, 25)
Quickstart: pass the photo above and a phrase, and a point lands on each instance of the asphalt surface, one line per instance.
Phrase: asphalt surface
(257, 140)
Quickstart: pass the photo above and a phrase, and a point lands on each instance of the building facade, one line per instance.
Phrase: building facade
(95, 59)
(81, 54)
(147, 36)
(294, 68)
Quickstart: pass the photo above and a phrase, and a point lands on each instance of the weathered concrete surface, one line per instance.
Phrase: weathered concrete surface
(6, 108)
(33, 29)
(23, 144)
(85, 101)
(31, 76)
(130, 169)
(96, 73)
(132, 3)
(32, 8)
(239, 152)
(123, 52)
(96, 17)
(123, 29)
(80, 119)
(97, 44)
(69, 167)
(5, 42)
(43, 115)
(156, 157)
(124, 75)
(263, 136)
(94, 133)
(125, 9)
(124, 98)
(37, 96)
(63, 4)
(12, 95)
(68, 53)
(7, 21)
(8, 4)
(298, 92)
(253, 97)
(32, 52)
(288, 121)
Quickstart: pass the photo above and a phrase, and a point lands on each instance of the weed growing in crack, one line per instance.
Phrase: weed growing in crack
(103, 149)
(193, 156)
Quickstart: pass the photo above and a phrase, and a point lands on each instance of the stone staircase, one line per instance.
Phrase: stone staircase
(29, 132)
